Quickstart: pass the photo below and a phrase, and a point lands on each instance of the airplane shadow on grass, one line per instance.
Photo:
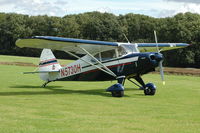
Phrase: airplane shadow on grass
(51, 90)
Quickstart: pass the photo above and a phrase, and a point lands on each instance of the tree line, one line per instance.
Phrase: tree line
(106, 27)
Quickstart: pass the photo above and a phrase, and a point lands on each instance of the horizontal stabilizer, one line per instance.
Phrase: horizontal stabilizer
(39, 72)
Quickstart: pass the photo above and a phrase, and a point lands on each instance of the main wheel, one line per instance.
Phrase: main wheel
(150, 89)
(117, 93)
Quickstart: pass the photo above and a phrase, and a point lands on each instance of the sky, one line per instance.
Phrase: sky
(154, 8)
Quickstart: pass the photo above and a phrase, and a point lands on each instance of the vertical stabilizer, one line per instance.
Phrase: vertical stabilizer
(48, 62)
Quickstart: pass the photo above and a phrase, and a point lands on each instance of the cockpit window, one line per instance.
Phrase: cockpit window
(107, 55)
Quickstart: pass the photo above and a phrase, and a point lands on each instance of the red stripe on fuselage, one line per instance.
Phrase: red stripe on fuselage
(48, 64)
(47, 60)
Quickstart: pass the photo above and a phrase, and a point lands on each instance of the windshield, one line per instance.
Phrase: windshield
(130, 48)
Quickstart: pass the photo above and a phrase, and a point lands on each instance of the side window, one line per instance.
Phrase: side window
(121, 51)
(107, 55)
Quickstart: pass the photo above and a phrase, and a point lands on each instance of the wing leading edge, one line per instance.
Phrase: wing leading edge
(92, 46)
(147, 47)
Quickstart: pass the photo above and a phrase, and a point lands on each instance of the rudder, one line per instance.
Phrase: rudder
(48, 62)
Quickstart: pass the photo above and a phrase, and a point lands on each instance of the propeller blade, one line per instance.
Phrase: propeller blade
(161, 72)
(160, 63)
(156, 40)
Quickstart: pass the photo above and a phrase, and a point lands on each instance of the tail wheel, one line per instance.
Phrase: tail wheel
(150, 89)
(117, 93)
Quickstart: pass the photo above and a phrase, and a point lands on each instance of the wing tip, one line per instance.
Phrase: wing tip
(18, 43)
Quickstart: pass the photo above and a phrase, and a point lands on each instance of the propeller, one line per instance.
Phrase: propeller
(160, 63)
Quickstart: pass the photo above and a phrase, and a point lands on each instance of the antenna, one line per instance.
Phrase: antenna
(126, 38)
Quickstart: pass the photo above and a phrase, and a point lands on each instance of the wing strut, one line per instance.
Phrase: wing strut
(108, 72)
(105, 67)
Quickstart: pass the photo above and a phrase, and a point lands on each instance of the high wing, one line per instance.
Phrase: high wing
(66, 44)
(77, 45)
(152, 47)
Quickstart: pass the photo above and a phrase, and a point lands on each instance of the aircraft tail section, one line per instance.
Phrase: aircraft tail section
(48, 65)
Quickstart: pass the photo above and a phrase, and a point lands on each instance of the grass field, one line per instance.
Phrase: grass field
(85, 107)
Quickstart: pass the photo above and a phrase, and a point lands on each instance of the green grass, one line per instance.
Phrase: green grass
(85, 107)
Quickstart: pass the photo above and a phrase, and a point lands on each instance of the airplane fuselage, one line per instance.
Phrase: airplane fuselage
(129, 65)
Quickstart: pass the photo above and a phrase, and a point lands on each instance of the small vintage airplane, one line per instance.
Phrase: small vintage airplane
(101, 61)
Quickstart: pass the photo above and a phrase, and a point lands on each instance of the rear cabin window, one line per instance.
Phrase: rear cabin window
(97, 56)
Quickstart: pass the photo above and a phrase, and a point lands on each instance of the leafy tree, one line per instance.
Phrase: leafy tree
(106, 27)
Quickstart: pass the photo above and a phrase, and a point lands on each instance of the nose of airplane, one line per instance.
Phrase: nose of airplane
(156, 57)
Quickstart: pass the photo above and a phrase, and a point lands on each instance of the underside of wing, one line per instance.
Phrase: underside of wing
(66, 44)
(152, 47)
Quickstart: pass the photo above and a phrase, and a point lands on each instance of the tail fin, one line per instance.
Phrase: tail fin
(48, 63)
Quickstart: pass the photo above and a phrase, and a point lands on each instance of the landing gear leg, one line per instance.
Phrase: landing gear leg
(121, 80)
(149, 88)
(44, 85)
(140, 81)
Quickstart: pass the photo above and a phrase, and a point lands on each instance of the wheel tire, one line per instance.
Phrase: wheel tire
(117, 93)
(149, 91)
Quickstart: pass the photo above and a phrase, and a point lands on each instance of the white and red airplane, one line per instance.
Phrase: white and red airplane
(101, 61)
